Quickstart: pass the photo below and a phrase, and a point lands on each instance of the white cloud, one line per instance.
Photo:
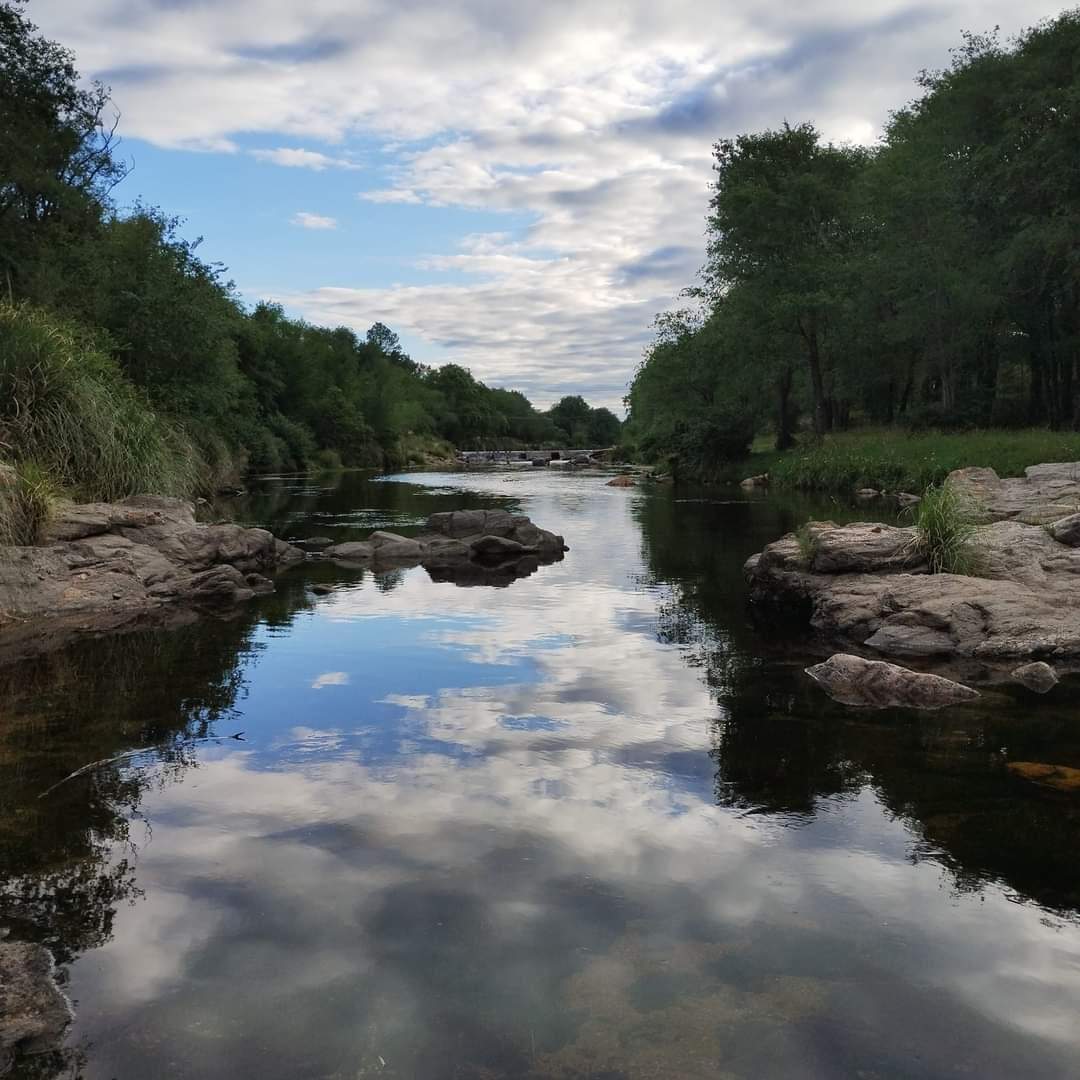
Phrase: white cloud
(313, 221)
(331, 678)
(295, 158)
(592, 122)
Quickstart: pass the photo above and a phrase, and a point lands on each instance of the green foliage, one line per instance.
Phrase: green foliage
(930, 283)
(892, 461)
(945, 531)
(26, 502)
(65, 406)
(127, 362)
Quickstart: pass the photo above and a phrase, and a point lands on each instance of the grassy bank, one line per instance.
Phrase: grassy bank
(896, 461)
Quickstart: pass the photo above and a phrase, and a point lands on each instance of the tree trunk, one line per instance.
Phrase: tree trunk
(785, 414)
(817, 383)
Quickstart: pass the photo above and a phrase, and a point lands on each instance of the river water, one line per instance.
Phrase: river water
(592, 824)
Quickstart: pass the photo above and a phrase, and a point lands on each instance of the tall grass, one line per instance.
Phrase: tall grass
(895, 461)
(945, 531)
(65, 407)
(27, 497)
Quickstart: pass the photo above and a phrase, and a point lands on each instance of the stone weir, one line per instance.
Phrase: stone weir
(869, 584)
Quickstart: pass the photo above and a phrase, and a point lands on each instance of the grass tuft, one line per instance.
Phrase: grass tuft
(27, 497)
(945, 530)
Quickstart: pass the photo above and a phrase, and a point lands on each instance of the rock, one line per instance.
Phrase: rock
(322, 590)
(622, 481)
(867, 494)
(472, 524)
(442, 551)
(906, 499)
(1045, 493)
(761, 480)
(390, 547)
(866, 584)
(1061, 777)
(851, 680)
(351, 551)
(107, 565)
(313, 543)
(34, 1014)
(1038, 676)
(1066, 530)
(497, 549)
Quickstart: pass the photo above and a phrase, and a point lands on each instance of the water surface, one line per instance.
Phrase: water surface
(592, 824)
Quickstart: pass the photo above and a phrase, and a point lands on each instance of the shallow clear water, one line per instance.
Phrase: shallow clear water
(593, 824)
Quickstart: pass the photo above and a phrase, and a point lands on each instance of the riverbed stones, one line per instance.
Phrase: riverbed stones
(34, 1014)
(313, 543)
(751, 482)
(875, 684)
(1037, 676)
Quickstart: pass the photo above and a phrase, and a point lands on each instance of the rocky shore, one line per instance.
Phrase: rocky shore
(112, 566)
(868, 584)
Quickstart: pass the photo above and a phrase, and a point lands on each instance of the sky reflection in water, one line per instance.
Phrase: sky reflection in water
(588, 825)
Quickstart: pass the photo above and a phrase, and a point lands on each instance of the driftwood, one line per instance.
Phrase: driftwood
(239, 736)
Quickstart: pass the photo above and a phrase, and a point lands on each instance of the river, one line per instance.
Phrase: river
(591, 824)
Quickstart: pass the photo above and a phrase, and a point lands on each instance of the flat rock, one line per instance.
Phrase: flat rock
(866, 583)
(851, 680)
(1060, 777)
(34, 1014)
(1043, 494)
(351, 551)
(622, 481)
(1038, 676)
(107, 564)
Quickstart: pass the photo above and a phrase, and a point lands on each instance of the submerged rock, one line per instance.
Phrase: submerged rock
(34, 1014)
(1060, 777)
(1038, 676)
(874, 684)
(622, 481)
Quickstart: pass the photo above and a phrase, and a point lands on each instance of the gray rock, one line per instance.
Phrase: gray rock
(860, 588)
(1066, 530)
(1038, 676)
(107, 565)
(34, 1014)
(867, 494)
(874, 684)
(906, 499)
(389, 546)
(351, 551)
(1045, 493)
(497, 549)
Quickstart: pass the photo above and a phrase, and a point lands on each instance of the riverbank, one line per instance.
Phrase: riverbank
(889, 459)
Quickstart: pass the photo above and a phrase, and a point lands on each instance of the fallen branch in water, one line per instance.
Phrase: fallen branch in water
(239, 736)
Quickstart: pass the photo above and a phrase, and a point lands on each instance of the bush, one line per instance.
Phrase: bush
(65, 406)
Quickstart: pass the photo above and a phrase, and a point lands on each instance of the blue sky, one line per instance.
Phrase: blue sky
(512, 186)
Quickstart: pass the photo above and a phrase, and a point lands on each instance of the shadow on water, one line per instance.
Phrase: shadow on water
(594, 825)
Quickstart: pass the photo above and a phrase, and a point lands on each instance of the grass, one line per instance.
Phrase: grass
(893, 460)
(945, 530)
(809, 544)
(27, 497)
(65, 408)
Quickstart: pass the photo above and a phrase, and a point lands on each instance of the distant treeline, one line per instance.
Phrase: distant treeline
(128, 363)
(931, 281)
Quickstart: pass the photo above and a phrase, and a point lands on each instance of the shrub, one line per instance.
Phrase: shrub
(26, 502)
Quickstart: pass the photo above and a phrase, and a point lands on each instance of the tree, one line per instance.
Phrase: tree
(782, 219)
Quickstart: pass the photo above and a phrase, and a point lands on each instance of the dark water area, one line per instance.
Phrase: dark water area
(592, 824)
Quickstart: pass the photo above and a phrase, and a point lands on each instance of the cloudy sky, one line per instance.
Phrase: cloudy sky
(518, 187)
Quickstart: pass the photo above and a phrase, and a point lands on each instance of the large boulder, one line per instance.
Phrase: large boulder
(867, 584)
(851, 680)
(34, 1014)
(107, 565)
(1045, 493)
